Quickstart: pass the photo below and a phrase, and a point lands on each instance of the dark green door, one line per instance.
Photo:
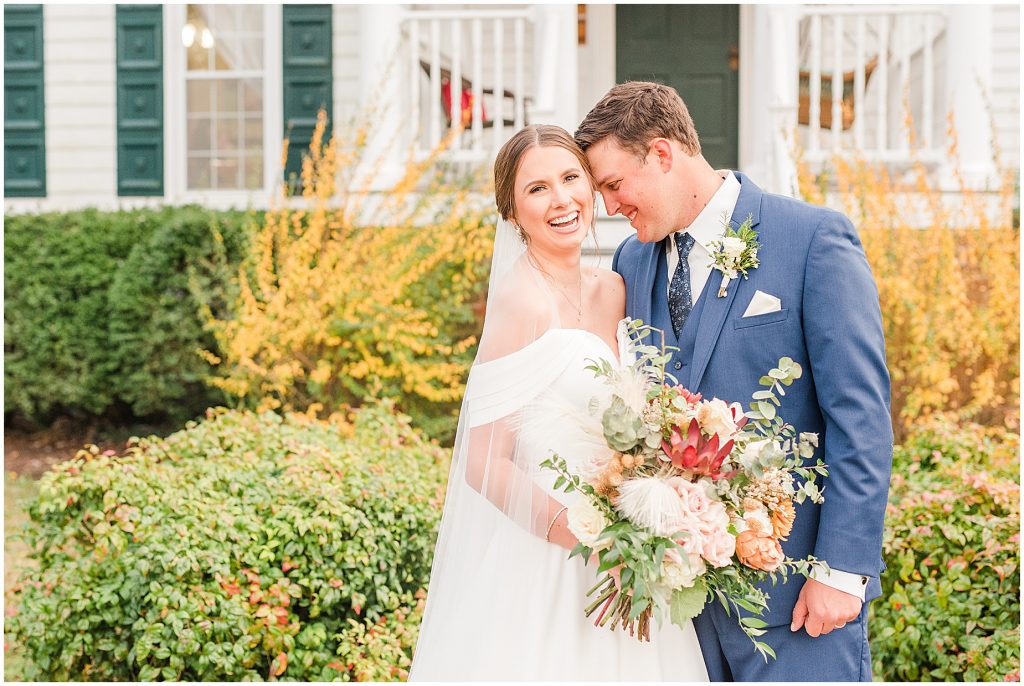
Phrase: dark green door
(693, 49)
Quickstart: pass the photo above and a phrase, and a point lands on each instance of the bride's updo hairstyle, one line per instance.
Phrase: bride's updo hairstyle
(506, 164)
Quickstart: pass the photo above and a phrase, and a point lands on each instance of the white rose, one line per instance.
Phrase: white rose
(751, 452)
(678, 571)
(716, 417)
(757, 519)
(586, 522)
(733, 247)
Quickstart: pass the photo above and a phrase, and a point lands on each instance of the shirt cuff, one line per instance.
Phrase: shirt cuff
(854, 584)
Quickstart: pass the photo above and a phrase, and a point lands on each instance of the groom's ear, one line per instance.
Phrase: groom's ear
(661, 148)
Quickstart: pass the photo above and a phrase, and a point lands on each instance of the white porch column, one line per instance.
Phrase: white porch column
(969, 86)
(380, 86)
(769, 65)
(556, 76)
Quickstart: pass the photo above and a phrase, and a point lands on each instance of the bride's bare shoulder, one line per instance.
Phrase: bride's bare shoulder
(611, 287)
(519, 303)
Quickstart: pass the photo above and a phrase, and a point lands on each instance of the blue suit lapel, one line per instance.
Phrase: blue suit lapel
(715, 308)
(647, 269)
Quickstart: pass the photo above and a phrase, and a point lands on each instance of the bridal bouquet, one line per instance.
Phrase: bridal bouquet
(695, 500)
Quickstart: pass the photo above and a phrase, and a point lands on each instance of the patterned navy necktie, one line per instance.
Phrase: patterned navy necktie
(680, 296)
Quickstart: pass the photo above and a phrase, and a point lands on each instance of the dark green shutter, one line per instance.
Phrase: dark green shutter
(140, 100)
(24, 120)
(308, 77)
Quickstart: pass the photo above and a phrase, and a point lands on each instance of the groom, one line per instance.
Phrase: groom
(812, 298)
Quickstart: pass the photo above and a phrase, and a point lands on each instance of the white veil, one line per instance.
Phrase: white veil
(492, 565)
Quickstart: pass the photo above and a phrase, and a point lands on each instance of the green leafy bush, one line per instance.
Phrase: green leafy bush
(950, 605)
(243, 547)
(99, 318)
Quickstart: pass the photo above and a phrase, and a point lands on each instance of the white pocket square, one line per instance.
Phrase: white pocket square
(762, 303)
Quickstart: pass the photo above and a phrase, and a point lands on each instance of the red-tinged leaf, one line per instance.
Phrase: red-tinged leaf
(723, 453)
(742, 422)
(689, 457)
(336, 665)
(279, 664)
(693, 434)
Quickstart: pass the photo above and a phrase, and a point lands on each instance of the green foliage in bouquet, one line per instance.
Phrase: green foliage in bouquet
(659, 441)
(243, 547)
(99, 318)
(950, 605)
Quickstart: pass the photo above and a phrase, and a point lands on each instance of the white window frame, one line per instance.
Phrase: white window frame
(176, 189)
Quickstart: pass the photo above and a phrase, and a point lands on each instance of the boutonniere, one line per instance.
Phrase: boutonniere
(736, 253)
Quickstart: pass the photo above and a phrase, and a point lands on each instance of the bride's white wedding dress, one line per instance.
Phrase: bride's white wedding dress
(503, 603)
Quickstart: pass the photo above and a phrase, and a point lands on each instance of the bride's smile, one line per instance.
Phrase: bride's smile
(554, 200)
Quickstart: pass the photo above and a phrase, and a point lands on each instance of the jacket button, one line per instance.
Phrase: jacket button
(679, 365)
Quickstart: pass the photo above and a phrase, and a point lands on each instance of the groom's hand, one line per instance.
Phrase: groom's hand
(821, 608)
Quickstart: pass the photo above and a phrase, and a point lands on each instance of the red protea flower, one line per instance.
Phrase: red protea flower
(703, 457)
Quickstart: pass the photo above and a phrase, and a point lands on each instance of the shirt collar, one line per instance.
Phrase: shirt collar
(708, 227)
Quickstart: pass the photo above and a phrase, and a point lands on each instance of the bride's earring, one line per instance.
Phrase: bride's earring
(521, 234)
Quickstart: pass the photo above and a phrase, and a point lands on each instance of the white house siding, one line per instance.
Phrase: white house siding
(80, 109)
(1006, 82)
(345, 34)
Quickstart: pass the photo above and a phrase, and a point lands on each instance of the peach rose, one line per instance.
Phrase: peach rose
(759, 550)
(718, 549)
(782, 520)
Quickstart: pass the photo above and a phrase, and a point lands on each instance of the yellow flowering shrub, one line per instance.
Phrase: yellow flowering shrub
(347, 295)
(949, 291)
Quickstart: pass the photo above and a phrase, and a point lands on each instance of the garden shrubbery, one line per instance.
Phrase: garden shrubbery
(99, 315)
(950, 605)
(243, 547)
(946, 275)
(347, 297)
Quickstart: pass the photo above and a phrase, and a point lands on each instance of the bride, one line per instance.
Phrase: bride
(504, 602)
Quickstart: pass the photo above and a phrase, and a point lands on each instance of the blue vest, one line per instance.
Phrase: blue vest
(682, 359)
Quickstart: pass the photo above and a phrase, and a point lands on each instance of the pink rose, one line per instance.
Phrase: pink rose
(694, 498)
(719, 548)
(714, 519)
(694, 542)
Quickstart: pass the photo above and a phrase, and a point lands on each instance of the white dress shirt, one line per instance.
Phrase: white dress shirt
(709, 227)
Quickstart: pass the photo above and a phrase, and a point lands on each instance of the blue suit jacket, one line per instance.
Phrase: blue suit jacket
(830, 322)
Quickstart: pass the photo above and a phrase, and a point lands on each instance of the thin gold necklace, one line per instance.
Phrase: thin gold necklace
(579, 286)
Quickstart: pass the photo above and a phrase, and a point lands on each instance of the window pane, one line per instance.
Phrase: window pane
(253, 134)
(199, 138)
(227, 95)
(199, 97)
(252, 95)
(198, 171)
(225, 114)
(252, 19)
(252, 54)
(253, 170)
(227, 173)
(229, 135)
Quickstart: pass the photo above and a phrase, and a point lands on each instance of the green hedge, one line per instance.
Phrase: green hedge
(950, 605)
(242, 547)
(99, 317)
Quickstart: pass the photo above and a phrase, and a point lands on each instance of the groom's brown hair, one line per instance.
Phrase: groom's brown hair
(635, 113)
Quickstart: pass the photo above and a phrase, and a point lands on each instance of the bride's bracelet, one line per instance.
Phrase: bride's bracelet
(547, 536)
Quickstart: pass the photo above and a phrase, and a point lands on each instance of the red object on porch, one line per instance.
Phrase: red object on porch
(467, 104)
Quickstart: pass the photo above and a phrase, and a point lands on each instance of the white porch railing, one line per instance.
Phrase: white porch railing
(466, 69)
(861, 67)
